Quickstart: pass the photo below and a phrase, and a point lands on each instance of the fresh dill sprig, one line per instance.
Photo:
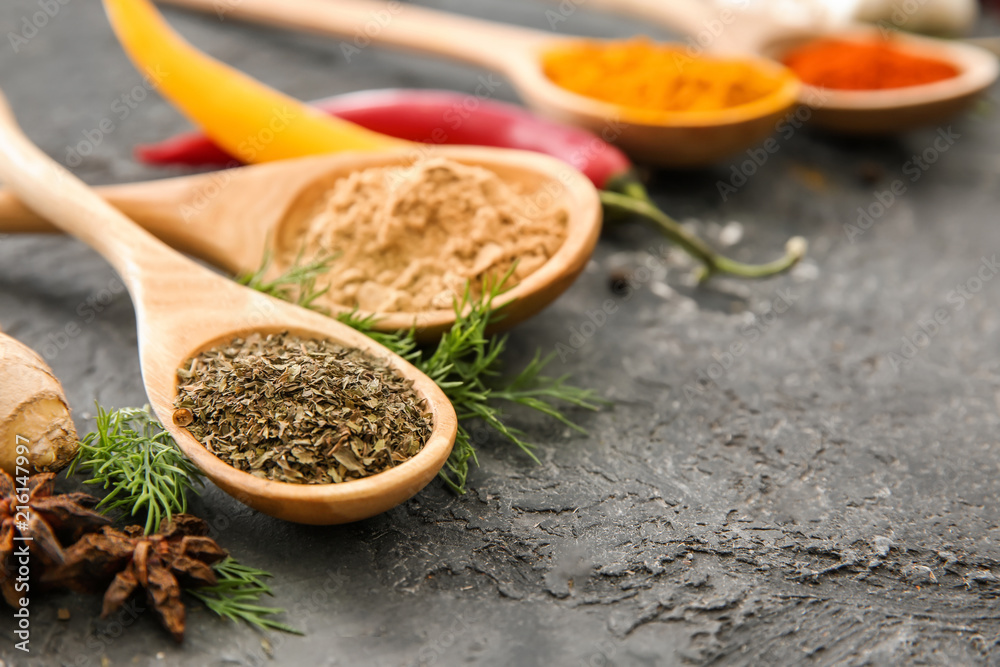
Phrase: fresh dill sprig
(297, 284)
(236, 596)
(130, 453)
(402, 343)
(467, 366)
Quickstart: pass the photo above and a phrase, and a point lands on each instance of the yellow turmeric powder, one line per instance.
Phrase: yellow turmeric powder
(641, 74)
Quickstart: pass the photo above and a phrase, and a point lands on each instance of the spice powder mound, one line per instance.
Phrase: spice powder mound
(298, 410)
(408, 238)
(876, 64)
(640, 74)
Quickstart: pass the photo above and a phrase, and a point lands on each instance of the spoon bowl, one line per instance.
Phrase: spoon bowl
(764, 32)
(230, 218)
(319, 504)
(880, 112)
(665, 139)
(183, 309)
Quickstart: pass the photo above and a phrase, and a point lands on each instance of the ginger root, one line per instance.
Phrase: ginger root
(33, 412)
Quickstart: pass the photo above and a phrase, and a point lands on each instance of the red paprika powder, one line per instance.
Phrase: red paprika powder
(870, 65)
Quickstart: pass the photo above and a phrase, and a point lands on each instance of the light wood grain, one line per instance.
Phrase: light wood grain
(228, 218)
(183, 308)
(674, 139)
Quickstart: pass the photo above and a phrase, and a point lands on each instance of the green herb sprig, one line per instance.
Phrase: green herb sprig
(236, 596)
(297, 284)
(131, 454)
(466, 364)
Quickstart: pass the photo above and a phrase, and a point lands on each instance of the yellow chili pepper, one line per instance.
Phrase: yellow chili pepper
(207, 92)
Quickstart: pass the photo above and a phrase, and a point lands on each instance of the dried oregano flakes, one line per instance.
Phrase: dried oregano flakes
(299, 410)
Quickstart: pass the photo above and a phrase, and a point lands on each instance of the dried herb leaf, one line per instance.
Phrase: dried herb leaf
(299, 410)
(465, 365)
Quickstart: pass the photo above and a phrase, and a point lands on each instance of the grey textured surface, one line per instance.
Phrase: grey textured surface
(807, 504)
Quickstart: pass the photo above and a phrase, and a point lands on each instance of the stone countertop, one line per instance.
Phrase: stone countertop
(798, 470)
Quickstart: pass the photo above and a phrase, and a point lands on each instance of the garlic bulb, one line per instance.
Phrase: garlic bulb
(939, 17)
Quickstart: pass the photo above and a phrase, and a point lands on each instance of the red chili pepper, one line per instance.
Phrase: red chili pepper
(431, 117)
(442, 117)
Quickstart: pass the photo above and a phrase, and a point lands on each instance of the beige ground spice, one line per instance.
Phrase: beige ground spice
(408, 238)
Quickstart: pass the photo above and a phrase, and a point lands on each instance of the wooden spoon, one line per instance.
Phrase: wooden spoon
(729, 31)
(183, 308)
(228, 218)
(672, 139)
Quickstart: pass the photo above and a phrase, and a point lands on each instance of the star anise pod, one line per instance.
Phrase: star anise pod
(45, 521)
(122, 562)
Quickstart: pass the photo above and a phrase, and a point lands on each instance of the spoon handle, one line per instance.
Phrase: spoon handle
(59, 196)
(16, 218)
(178, 211)
(152, 205)
(735, 27)
(688, 17)
(361, 22)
